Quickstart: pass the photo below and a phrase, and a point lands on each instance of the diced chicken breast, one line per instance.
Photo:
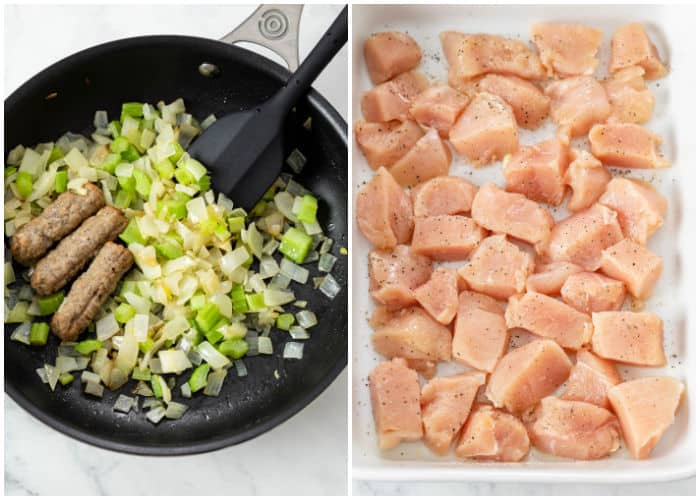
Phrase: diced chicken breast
(537, 171)
(640, 208)
(590, 379)
(587, 178)
(384, 212)
(445, 406)
(626, 145)
(633, 264)
(549, 278)
(527, 374)
(486, 131)
(480, 333)
(474, 55)
(390, 53)
(429, 157)
(391, 100)
(529, 104)
(443, 195)
(629, 98)
(413, 334)
(497, 268)
(593, 292)
(438, 107)
(511, 213)
(395, 395)
(424, 367)
(582, 237)
(383, 144)
(446, 237)
(567, 49)
(577, 103)
(438, 295)
(573, 429)
(492, 434)
(646, 408)
(631, 46)
(635, 338)
(548, 317)
(395, 274)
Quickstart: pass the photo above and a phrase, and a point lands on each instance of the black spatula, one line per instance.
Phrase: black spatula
(244, 150)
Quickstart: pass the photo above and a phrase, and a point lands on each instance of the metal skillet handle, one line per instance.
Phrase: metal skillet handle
(275, 27)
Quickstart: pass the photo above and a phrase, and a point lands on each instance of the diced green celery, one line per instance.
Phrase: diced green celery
(128, 286)
(295, 245)
(285, 321)
(204, 183)
(24, 184)
(156, 381)
(221, 232)
(233, 348)
(207, 317)
(235, 224)
(240, 304)
(39, 334)
(127, 183)
(131, 234)
(249, 261)
(307, 209)
(124, 198)
(197, 301)
(183, 176)
(119, 145)
(270, 193)
(175, 157)
(61, 181)
(130, 154)
(139, 374)
(110, 162)
(10, 170)
(56, 154)
(208, 226)
(66, 378)
(165, 169)
(181, 197)
(19, 313)
(134, 109)
(142, 183)
(146, 345)
(50, 303)
(114, 128)
(148, 124)
(198, 379)
(259, 208)
(256, 302)
(87, 346)
(124, 312)
(213, 336)
(169, 250)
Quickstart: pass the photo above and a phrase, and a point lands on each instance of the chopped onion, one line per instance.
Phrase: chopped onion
(233, 260)
(296, 189)
(173, 361)
(21, 333)
(207, 122)
(270, 247)
(194, 357)
(175, 327)
(241, 369)
(215, 381)
(265, 345)
(150, 402)
(52, 374)
(87, 377)
(284, 203)
(274, 297)
(326, 246)
(306, 319)
(215, 359)
(124, 404)
(142, 389)
(175, 410)
(329, 286)
(298, 333)
(326, 262)
(280, 282)
(156, 414)
(64, 364)
(312, 228)
(294, 271)
(293, 350)
(42, 374)
(300, 303)
(94, 389)
(106, 327)
(268, 267)
(186, 390)
(296, 161)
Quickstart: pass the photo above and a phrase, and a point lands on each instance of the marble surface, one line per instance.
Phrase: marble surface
(33, 450)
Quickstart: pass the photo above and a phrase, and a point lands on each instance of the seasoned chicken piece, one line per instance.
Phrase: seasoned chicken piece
(443, 195)
(590, 379)
(383, 144)
(390, 53)
(486, 131)
(384, 212)
(446, 237)
(438, 107)
(634, 338)
(626, 145)
(527, 374)
(395, 274)
(395, 395)
(429, 157)
(593, 292)
(577, 103)
(586, 177)
(537, 171)
(549, 278)
(573, 429)
(497, 268)
(645, 408)
(445, 405)
(438, 295)
(529, 104)
(567, 49)
(631, 46)
(511, 213)
(391, 100)
(492, 434)
(413, 334)
(633, 264)
(630, 100)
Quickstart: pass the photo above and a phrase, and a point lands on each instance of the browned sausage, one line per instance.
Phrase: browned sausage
(64, 262)
(58, 219)
(91, 290)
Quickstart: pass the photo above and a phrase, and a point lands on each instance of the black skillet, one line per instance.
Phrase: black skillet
(149, 69)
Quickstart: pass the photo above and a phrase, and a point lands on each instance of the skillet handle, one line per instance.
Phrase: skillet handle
(275, 27)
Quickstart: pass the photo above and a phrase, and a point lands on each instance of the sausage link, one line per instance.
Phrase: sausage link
(58, 219)
(64, 262)
(91, 290)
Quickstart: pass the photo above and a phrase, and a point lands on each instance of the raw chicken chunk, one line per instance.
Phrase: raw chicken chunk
(587, 178)
(549, 278)
(395, 274)
(631, 46)
(390, 53)
(383, 144)
(529, 104)
(633, 264)
(438, 295)
(413, 334)
(446, 237)
(443, 195)
(567, 49)
(593, 292)
(634, 338)
(438, 107)
(590, 379)
(429, 157)
(537, 171)
(391, 100)
(577, 103)
(492, 434)
(630, 100)
(626, 145)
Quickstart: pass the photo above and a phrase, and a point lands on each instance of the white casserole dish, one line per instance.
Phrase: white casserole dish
(672, 30)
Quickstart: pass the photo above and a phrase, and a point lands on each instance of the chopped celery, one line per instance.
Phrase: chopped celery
(146, 345)
(156, 386)
(131, 234)
(110, 162)
(50, 303)
(233, 348)
(259, 208)
(175, 157)
(221, 232)
(130, 153)
(87, 346)
(142, 183)
(119, 145)
(208, 226)
(204, 183)
(295, 245)
(124, 312)
(198, 379)
(270, 193)
(307, 209)
(235, 224)
(169, 250)
(127, 183)
(148, 124)
(39, 334)
(183, 176)
(285, 321)
(256, 301)
(56, 154)
(19, 313)
(165, 169)
(139, 374)
(66, 378)
(10, 171)
(207, 317)
(134, 109)
(61, 181)
(124, 198)
(197, 301)
(24, 184)
(128, 287)
(240, 304)
(213, 336)
(114, 129)
(172, 209)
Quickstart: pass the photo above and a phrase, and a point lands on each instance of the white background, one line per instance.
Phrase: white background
(290, 459)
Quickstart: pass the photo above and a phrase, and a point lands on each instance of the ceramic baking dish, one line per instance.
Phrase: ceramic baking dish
(672, 30)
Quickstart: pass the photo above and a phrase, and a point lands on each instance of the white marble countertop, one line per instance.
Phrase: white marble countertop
(36, 36)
